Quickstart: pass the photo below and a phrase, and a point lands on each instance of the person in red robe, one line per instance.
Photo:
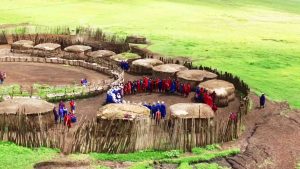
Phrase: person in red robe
(138, 86)
(146, 83)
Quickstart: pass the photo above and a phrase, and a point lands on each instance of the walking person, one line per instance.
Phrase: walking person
(55, 113)
(262, 101)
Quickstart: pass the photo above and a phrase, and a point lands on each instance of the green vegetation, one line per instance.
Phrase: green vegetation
(43, 90)
(185, 165)
(16, 157)
(127, 55)
(208, 166)
(142, 165)
(137, 156)
(13, 90)
(254, 39)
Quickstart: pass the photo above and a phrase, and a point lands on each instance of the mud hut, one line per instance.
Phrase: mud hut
(77, 52)
(144, 66)
(22, 46)
(97, 56)
(167, 70)
(35, 111)
(123, 123)
(129, 57)
(191, 123)
(225, 91)
(47, 50)
(194, 77)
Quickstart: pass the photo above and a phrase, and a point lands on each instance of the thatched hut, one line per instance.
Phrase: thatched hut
(194, 76)
(47, 50)
(192, 123)
(34, 111)
(144, 66)
(225, 91)
(97, 56)
(136, 39)
(167, 70)
(77, 52)
(129, 57)
(123, 123)
(22, 46)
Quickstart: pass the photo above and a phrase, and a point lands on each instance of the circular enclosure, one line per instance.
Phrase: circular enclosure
(129, 57)
(191, 110)
(167, 70)
(194, 77)
(123, 111)
(144, 66)
(225, 91)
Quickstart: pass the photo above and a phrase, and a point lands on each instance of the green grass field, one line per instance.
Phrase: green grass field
(258, 40)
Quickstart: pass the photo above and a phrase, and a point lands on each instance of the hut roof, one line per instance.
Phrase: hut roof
(191, 110)
(101, 53)
(149, 63)
(170, 68)
(77, 48)
(196, 75)
(221, 87)
(125, 56)
(25, 43)
(123, 111)
(47, 46)
(28, 106)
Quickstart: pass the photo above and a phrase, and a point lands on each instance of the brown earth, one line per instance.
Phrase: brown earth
(271, 139)
(28, 74)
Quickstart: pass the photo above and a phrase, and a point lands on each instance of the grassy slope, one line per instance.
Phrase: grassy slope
(258, 40)
(16, 157)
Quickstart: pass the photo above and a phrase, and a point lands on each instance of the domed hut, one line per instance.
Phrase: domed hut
(191, 123)
(144, 66)
(124, 123)
(194, 77)
(129, 57)
(47, 50)
(136, 39)
(22, 46)
(167, 70)
(37, 113)
(225, 91)
(77, 52)
(97, 56)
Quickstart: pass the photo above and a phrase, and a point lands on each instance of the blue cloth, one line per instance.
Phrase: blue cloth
(163, 110)
(173, 87)
(153, 110)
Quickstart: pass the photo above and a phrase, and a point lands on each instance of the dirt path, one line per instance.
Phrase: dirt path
(271, 138)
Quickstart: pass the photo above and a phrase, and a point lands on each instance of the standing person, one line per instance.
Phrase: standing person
(72, 106)
(55, 115)
(157, 117)
(1, 78)
(262, 100)
(67, 120)
(163, 110)
(153, 110)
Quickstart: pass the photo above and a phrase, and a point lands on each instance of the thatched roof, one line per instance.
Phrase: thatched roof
(123, 111)
(77, 48)
(191, 110)
(101, 53)
(28, 106)
(47, 46)
(221, 87)
(148, 63)
(169, 68)
(24, 43)
(125, 56)
(196, 75)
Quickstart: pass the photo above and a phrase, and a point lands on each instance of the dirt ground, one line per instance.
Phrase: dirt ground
(28, 74)
(271, 139)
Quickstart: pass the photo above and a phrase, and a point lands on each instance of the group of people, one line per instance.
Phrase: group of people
(158, 110)
(2, 77)
(63, 115)
(203, 96)
(124, 65)
(115, 94)
(157, 85)
(84, 82)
